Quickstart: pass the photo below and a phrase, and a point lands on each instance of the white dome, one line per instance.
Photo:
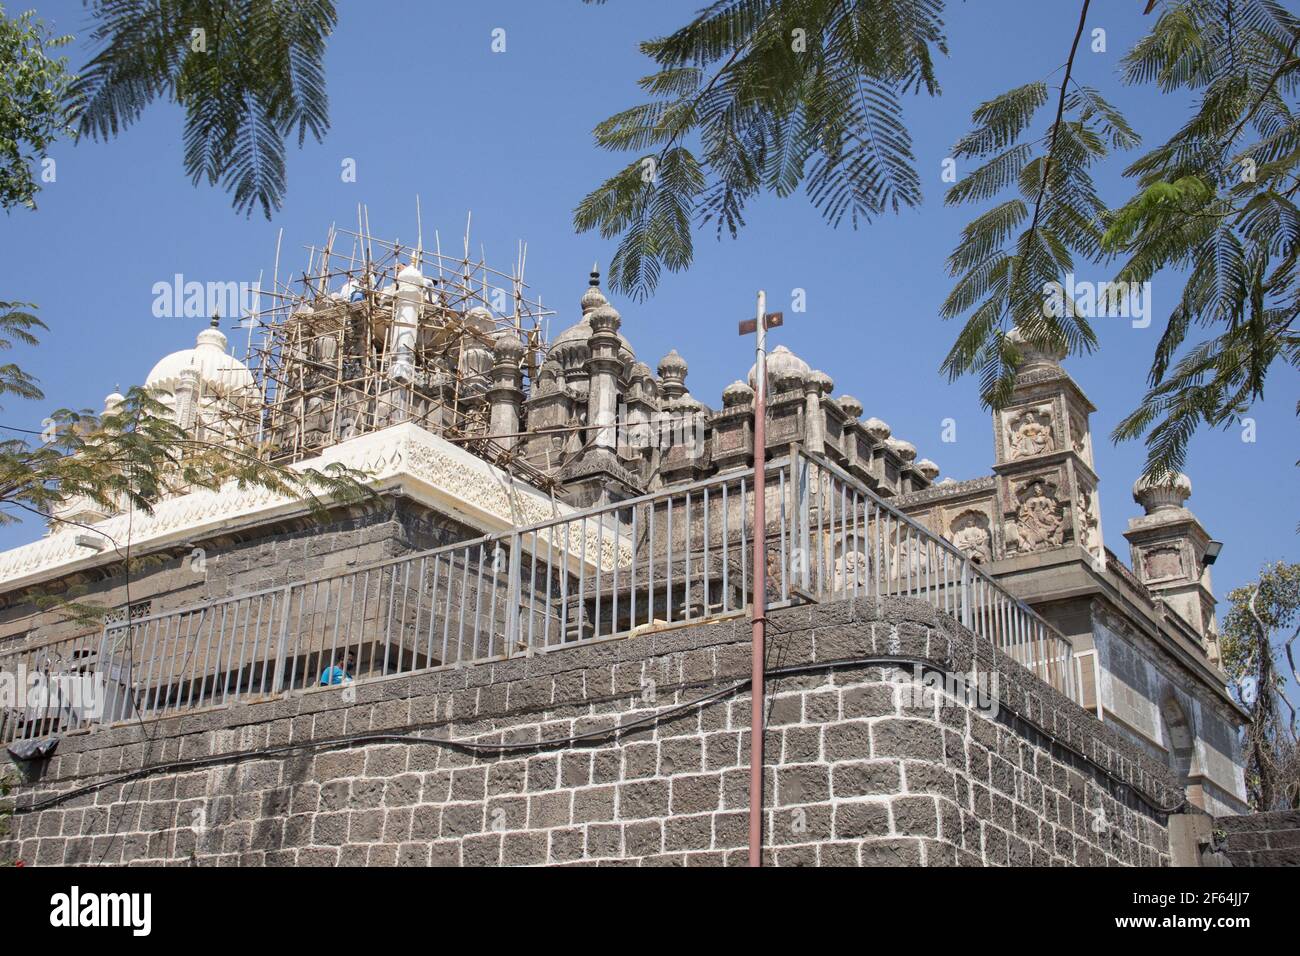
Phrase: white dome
(218, 370)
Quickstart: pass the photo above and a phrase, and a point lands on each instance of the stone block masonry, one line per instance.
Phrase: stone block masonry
(625, 751)
(1260, 839)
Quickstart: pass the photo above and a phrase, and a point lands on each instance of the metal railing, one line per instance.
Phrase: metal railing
(674, 556)
(856, 544)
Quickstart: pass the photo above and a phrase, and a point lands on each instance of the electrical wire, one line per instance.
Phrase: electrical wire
(349, 740)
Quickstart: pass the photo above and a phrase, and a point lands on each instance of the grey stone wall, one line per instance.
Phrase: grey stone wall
(238, 562)
(1259, 839)
(859, 770)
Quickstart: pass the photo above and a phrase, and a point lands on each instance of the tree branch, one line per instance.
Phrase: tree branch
(1060, 112)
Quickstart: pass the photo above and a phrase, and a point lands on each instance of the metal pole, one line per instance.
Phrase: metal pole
(759, 612)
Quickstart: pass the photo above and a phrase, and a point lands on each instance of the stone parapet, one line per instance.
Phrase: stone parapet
(624, 751)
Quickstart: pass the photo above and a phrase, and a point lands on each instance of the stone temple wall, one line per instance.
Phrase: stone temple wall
(262, 556)
(862, 769)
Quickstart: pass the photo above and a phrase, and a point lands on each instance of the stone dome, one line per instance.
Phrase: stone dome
(218, 370)
(823, 381)
(903, 449)
(570, 347)
(784, 369)
(673, 364)
(1034, 354)
(506, 346)
(928, 469)
(480, 319)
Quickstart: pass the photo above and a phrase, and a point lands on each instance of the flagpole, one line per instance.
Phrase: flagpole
(758, 612)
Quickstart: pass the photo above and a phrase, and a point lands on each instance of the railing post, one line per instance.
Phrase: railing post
(965, 593)
(277, 683)
(802, 467)
(513, 592)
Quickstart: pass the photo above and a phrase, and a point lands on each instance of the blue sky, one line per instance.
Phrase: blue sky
(423, 105)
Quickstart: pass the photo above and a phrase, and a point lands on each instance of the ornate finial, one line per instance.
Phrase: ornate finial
(216, 321)
(852, 407)
(903, 449)
(1163, 494)
(593, 298)
(877, 429)
(737, 394)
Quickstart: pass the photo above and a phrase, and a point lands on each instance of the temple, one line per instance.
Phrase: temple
(483, 437)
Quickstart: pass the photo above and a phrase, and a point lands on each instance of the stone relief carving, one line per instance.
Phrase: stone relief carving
(850, 563)
(1079, 436)
(1040, 523)
(909, 556)
(1030, 433)
(969, 531)
(1086, 523)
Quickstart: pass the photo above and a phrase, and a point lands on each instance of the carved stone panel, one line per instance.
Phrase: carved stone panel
(1030, 432)
(1080, 440)
(909, 556)
(851, 563)
(1040, 522)
(970, 532)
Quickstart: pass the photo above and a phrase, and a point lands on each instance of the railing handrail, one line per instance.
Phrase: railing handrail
(972, 566)
(498, 537)
(566, 590)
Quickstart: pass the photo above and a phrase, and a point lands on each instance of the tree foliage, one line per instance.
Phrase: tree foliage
(130, 456)
(764, 95)
(1046, 213)
(736, 108)
(34, 109)
(1255, 632)
(1217, 199)
(248, 74)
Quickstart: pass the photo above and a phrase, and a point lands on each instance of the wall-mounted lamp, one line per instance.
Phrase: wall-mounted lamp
(1211, 553)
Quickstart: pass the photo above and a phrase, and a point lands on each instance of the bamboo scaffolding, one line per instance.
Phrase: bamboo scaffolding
(321, 350)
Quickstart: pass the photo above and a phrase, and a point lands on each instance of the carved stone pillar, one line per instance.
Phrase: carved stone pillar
(815, 386)
(1168, 546)
(602, 373)
(187, 398)
(505, 396)
(1047, 489)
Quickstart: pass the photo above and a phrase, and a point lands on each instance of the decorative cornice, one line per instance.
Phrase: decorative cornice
(952, 489)
(431, 470)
